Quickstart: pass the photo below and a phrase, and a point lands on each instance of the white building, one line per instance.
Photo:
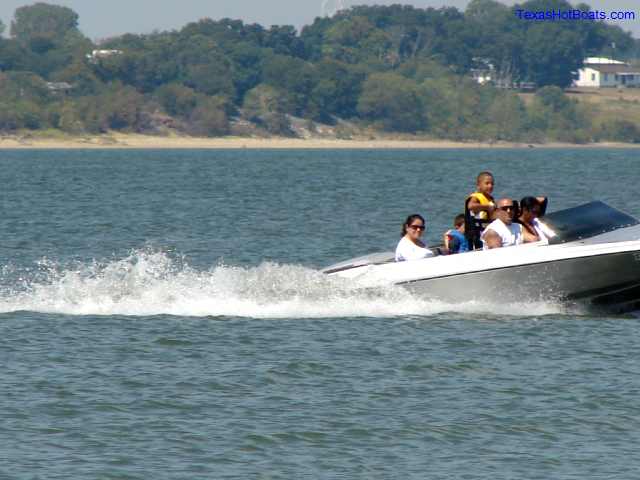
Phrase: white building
(605, 72)
(96, 55)
(59, 87)
(483, 71)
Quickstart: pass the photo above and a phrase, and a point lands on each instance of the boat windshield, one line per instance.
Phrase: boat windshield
(586, 221)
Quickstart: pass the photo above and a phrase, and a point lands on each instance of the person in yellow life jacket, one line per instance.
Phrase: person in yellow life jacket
(478, 209)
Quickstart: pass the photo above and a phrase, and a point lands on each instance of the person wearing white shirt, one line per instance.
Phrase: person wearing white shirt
(410, 246)
(502, 232)
(533, 229)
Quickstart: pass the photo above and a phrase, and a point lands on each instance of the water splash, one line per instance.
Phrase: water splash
(153, 283)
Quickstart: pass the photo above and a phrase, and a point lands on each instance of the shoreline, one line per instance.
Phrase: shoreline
(136, 141)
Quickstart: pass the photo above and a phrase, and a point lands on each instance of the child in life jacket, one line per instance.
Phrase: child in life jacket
(478, 208)
(454, 239)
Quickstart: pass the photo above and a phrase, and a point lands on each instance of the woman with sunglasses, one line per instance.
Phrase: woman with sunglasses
(410, 247)
(531, 208)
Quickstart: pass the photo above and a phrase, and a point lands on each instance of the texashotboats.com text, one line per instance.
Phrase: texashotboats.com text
(575, 14)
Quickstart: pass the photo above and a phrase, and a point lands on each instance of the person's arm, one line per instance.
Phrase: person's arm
(475, 206)
(445, 241)
(546, 230)
(492, 239)
(454, 245)
(543, 201)
(399, 252)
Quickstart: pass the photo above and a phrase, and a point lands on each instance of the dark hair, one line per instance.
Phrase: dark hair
(459, 220)
(409, 221)
(527, 203)
(483, 174)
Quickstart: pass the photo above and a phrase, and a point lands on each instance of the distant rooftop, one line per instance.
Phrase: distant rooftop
(619, 69)
(95, 55)
(602, 61)
(57, 86)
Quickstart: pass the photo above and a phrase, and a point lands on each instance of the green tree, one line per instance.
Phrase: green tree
(551, 63)
(24, 86)
(420, 69)
(336, 90)
(66, 117)
(266, 106)
(290, 75)
(599, 38)
(81, 77)
(8, 116)
(621, 130)
(118, 108)
(554, 98)
(313, 35)
(124, 109)
(76, 45)
(143, 69)
(486, 11)
(49, 38)
(356, 39)
(209, 118)
(246, 67)
(499, 37)
(263, 100)
(22, 113)
(506, 117)
(393, 101)
(284, 40)
(43, 21)
(211, 78)
(558, 117)
(438, 94)
(176, 99)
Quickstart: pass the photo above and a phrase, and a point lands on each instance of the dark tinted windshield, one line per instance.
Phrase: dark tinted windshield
(586, 221)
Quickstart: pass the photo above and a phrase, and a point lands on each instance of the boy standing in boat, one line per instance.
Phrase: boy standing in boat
(478, 208)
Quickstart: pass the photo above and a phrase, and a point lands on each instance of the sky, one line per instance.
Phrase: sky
(101, 19)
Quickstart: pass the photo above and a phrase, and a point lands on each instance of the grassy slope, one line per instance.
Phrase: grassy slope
(605, 103)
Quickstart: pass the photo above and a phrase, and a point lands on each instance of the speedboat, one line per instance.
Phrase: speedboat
(594, 260)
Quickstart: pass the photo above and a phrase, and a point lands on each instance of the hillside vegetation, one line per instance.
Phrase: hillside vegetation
(394, 70)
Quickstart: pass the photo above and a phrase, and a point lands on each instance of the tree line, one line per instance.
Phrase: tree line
(392, 68)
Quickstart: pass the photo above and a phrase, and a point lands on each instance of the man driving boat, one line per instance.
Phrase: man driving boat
(502, 232)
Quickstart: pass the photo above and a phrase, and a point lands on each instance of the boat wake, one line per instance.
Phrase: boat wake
(153, 283)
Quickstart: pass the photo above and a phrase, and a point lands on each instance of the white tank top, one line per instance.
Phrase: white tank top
(407, 250)
(510, 234)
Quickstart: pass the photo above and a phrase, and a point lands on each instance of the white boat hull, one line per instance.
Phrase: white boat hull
(601, 272)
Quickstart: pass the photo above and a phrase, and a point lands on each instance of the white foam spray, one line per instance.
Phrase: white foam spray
(152, 283)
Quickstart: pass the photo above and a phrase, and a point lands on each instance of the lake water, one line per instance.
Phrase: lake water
(161, 317)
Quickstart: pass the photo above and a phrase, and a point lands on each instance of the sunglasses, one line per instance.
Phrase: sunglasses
(417, 227)
(506, 208)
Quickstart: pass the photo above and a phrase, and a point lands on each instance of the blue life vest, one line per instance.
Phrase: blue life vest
(462, 244)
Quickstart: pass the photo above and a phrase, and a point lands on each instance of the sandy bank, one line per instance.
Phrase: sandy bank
(118, 140)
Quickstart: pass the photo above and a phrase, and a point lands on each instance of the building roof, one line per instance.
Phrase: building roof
(59, 86)
(614, 68)
(602, 60)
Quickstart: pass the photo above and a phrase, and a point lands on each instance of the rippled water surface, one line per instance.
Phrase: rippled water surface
(161, 316)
